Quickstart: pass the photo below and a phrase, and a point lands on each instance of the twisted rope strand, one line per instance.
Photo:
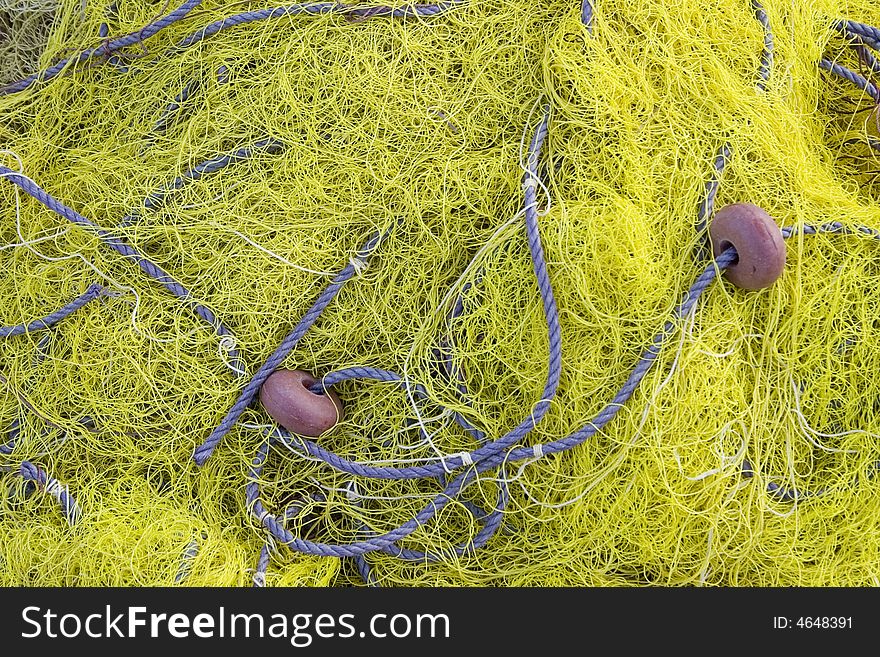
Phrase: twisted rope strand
(170, 114)
(13, 431)
(869, 34)
(767, 54)
(93, 292)
(121, 247)
(30, 472)
(530, 183)
(105, 48)
(852, 76)
(159, 197)
(313, 9)
(204, 451)
(462, 481)
(707, 205)
(493, 520)
(587, 15)
(262, 567)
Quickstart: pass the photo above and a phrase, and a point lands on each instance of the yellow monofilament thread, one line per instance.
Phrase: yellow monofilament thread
(418, 123)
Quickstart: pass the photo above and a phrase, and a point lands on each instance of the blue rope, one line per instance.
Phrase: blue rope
(170, 115)
(13, 431)
(106, 48)
(262, 567)
(189, 555)
(30, 472)
(366, 571)
(93, 292)
(121, 247)
(786, 493)
(852, 76)
(250, 391)
(376, 374)
(213, 165)
(489, 455)
(217, 163)
(767, 54)
(478, 464)
(869, 34)
(707, 205)
(313, 9)
(386, 541)
(493, 520)
(530, 183)
(360, 561)
(832, 227)
(867, 57)
(259, 579)
(587, 14)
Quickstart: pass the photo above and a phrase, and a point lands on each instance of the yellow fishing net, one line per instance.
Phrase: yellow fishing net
(419, 126)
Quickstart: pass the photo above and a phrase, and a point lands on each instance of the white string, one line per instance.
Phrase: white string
(54, 487)
(124, 289)
(532, 176)
(444, 417)
(727, 353)
(56, 490)
(31, 7)
(263, 427)
(228, 344)
(704, 571)
(453, 289)
(809, 430)
(621, 454)
(301, 453)
(37, 240)
(16, 157)
(789, 457)
(360, 264)
(733, 347)
(355, 495)
(727, 461)
(317, 272)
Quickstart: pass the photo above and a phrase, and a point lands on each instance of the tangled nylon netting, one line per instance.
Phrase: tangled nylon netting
(25, 28)
(484, 224)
